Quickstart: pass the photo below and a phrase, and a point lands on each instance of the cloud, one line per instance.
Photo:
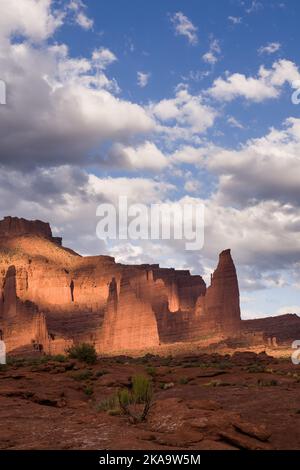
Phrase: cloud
(266, 85)
(254, 6)
(261, 236)
(270, 48)
(233, 122)
(211, 57)
(263, 243)
(143, 79)
(128, 253)
(34, 19)
(184, 27)
(83, 21)
(192, 186)
(235, 19)
(68, 197)
(145, 156)
(189, 154)
(103, 57)
(285, 310)
(245, 174)
(143, 190)
(80, 17)
(75, 99)
(187, 112)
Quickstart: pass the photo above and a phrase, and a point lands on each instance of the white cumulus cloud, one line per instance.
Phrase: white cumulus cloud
(266, 85)
(184, 27)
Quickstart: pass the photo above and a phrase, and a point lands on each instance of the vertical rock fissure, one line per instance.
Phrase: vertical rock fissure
(72, 290)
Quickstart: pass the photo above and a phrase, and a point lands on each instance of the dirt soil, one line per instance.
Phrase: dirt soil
(203, 401)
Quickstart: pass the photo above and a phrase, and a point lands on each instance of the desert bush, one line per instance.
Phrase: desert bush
(217, 383)
(223, 365)
(183, 380)
(167, 361)
(256, 368)
(124, 397)
(141, 389)
(81, 375)
(15, 361)
(88, 390)
(110, 404)
(136, 403)
(267, 383)
(100, 373)
(83, 352)
(151, 371)
(59, 358)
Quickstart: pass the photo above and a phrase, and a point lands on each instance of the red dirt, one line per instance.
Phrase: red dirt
(248, 401)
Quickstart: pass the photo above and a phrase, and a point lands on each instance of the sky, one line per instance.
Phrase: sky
(191, 101)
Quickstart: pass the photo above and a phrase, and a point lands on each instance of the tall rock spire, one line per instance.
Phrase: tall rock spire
(221, 304)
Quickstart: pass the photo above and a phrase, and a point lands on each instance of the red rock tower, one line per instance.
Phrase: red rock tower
(220, 307)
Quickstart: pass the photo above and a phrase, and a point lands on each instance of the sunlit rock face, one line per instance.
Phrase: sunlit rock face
(220, 307)
(51, 297)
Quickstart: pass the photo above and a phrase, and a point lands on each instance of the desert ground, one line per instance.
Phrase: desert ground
(242, 400)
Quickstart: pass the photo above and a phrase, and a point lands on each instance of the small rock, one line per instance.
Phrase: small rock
(242, 441)
(169, 385)
(257, 431)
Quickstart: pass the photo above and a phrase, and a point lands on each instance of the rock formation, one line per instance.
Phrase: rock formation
(129, 322)
(52, 297)
(220, 307)
(21, 323)
(13, 226)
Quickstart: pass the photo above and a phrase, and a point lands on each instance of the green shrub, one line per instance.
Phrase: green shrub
(124, 397)
(217, 383)
(141, 394)
(83, 352)
(59, 358)
(256, 368)
(223, 365)
(88, 391)
(14, 361)
(267, 383)
(110, 404)
(141, 389)
(183, 380)
(100, 373)
(81, 375)
(135, 402)
(151, 371)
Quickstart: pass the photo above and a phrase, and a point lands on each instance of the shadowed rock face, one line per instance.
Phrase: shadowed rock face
(13, 226)
(22, 325)
(94, 299)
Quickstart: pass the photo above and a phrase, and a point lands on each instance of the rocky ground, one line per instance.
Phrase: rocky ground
(208, 401)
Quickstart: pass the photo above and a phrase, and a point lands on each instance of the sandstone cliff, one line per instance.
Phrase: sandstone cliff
(13, 226)
(220, 307)
(52, 297)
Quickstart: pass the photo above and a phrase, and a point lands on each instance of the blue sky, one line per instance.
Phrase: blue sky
(161, 101)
